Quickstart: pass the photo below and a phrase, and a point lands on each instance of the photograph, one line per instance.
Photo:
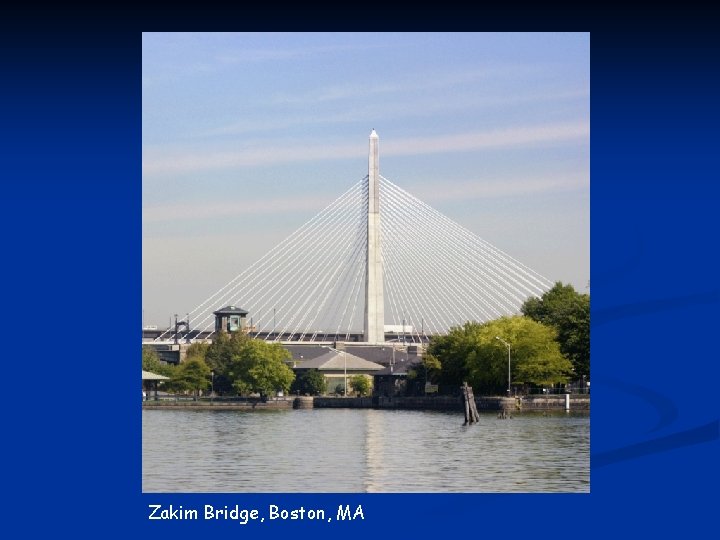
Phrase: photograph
(365, 263)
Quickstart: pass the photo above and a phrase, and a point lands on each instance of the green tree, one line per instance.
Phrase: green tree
(452, 350)
(535, 357)
(424, 372)
(269, 375)
(480, 358)
(151, 362)
(311, 382)
(221, 354)
(569, 313)
(360, 384)
(256, 366)
(150, 359)
(197, 350)
(193, 374)
(432, 366)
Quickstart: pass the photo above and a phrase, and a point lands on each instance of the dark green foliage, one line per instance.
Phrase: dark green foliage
(193, 374)
(218, 357)
(569, 313)
(244, 365)
(452, 350)
(151, 362)
(197, 350)
(312, 383)
(360, 384)
(427, 371)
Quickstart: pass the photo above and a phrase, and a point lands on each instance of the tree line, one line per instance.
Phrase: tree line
(549, 345)
(232, 364)
(235, 364)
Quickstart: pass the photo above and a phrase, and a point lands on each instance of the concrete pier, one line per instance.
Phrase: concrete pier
(303, 402)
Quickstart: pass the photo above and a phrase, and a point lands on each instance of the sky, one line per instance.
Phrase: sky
(248, 136)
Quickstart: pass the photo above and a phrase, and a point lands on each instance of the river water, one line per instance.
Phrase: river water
(362, 450)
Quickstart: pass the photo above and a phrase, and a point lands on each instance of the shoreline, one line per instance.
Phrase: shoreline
(437, 403)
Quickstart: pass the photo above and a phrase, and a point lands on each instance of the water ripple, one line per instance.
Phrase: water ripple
(345, 450)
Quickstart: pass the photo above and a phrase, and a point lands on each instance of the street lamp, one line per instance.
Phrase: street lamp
(212, 385)
(508, 348)
(345, 371)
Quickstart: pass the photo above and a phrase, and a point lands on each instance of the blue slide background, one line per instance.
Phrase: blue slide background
(71, 193)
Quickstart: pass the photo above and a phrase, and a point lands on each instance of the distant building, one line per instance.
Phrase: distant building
(230, 319)
(336, 366)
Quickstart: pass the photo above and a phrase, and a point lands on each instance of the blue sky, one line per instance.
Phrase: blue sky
(247, 136)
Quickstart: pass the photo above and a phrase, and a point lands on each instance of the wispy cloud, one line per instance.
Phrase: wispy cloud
(456, 190)
(501, 187)
(199, 210)
(181, 161)
(387, 109)
(439, 81)
(235, 56)
(503, 138)
(228, 55)
(158, 160)
(276, 124)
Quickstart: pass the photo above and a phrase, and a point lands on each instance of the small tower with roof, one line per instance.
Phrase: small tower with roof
(230, 319)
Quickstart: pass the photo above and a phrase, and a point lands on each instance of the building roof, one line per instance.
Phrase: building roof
(150, 376)
(230, 310)
(334, 360)
(379, 354)
(302, 352)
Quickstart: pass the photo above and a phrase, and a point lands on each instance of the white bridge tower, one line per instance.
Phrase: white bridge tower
(374, 327)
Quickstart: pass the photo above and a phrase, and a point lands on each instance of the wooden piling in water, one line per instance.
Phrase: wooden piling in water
(471, 412)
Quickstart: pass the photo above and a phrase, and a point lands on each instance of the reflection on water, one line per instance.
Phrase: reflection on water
(362, 450)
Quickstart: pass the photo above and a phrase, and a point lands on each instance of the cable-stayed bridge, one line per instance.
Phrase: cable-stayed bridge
(375, 263)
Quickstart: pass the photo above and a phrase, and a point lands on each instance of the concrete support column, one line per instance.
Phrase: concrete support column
(374, 328)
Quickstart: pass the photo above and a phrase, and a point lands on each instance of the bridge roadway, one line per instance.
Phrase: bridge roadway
(395, 350)
(149, 336)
